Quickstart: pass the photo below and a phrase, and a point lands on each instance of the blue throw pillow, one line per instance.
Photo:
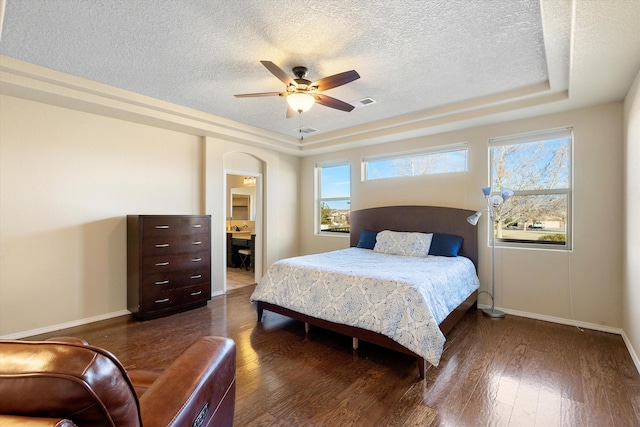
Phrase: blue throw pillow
(367, 239)
(445, 245)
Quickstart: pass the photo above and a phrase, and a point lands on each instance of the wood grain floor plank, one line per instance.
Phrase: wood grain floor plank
(405, 406)
(508, 372)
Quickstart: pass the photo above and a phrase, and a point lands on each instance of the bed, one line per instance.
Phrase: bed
(337, 290)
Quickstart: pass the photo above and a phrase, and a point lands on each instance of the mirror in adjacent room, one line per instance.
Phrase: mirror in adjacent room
(242, 204)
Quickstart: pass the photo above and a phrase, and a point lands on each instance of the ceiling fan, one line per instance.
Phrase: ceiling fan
(301, 93)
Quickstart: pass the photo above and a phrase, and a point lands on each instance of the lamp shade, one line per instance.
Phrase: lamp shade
(486, 190)
(300, 102)
(495, 200)
(506, 193)
(473, 219)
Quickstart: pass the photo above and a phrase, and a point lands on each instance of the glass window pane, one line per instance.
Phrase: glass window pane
(417, 165)
(334, 216)
(541, 165)
(335, 181)
(536, 219)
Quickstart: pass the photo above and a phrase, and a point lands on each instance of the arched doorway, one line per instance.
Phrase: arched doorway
(244, 219)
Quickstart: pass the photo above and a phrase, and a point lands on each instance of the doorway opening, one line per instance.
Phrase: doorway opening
(243, 228)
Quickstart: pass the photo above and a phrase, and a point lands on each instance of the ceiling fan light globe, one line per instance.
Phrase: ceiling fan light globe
(300, 102)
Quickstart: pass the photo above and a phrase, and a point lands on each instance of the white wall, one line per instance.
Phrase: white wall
(67, 181)
(539, 283)
(631, 264)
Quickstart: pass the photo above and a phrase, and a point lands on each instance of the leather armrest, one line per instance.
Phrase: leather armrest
(18, 421)
(198, 388)
(70, 340)
(142, 379)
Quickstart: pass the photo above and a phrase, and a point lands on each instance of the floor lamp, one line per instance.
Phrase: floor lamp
(493, 203)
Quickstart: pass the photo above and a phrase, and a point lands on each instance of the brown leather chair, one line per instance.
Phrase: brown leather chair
(67, 382)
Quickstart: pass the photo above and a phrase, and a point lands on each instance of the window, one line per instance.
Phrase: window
(424, 162)
(537, 167)
(334, 190)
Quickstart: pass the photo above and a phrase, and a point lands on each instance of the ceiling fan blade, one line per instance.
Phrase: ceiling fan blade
(336, 80)
(253, 95)
(277, 71)
(328, 101)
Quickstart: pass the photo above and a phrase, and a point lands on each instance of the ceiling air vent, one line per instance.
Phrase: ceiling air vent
(364, 102)
(305, 130)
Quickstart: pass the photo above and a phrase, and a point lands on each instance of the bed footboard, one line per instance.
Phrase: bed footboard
(366, 335)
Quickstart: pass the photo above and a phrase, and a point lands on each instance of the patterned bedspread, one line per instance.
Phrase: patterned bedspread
(404, 298)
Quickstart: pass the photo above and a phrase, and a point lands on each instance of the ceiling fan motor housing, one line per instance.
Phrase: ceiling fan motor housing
(300, 72)
(303, 84)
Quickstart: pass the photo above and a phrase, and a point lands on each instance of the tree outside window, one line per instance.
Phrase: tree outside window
(334, 204)
(449, 159)
(537, 168)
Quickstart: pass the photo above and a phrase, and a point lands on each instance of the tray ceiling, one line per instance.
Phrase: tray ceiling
(425, 64)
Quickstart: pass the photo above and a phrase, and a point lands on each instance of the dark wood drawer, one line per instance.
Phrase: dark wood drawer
(175, 262)
(174, 225)
(159, 245)
(240, 242)
(193, 294)
(159, 299)
(173, 279)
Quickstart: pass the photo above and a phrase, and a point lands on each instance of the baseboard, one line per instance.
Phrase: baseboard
(59, 326)
(79, 322)
(571, 322)
(560, 320)
(634, 355)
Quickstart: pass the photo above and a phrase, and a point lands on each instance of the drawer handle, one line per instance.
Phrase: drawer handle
(197, 225)
(196, 276)
(195, 260)
(162, 227)
(162, 282)
(162, 264)
(162, 245)
(197, 242)
(195, 294)
(160, 301)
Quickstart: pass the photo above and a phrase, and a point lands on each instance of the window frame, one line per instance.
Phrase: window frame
(539, 136)
(450, 148)
(319, 199)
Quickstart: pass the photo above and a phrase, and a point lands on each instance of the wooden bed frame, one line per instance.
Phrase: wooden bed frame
(426, 219)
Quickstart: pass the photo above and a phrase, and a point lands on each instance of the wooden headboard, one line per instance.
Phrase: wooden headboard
(424, 219)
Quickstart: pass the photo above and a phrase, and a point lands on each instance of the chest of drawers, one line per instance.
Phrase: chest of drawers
(168, 263)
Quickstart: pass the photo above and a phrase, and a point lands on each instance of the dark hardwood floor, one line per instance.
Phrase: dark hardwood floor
(509, 372)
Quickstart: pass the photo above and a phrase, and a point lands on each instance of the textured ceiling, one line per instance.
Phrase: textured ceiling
(414, 57)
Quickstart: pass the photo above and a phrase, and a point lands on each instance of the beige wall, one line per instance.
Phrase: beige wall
(631, 264)
(278, 239)
(67, 181)
(68, 178)
(531, 282)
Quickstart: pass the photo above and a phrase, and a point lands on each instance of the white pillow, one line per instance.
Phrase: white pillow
(403, 243)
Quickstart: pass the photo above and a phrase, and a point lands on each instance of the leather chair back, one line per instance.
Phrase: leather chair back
(65, 380)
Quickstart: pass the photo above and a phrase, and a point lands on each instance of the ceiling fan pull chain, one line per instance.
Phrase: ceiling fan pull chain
(301, 126)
